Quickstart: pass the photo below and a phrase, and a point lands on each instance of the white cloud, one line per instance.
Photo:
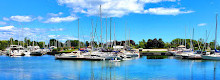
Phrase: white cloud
(21, 18)
(166, 11)
(110, 8)
(52, 36)
(59, 29)
(6, 28)
(38, 34)
(39, 18)
(69, 38)
(19, 33)
(61, 19)
(54, 14)
(2, 23)
(157, 1)
(6, 19)
(202, 24)
(26, 28)
(62, 38)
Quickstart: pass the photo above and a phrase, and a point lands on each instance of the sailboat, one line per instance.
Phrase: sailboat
(215, 55)
(127, 52)
(107, 49)
(72, 55)
(198, 54)
(189, 53)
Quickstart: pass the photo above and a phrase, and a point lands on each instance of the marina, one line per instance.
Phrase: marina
(109, 40)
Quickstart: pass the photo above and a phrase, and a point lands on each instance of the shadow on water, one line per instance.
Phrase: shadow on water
(208, 68)
(92, 70)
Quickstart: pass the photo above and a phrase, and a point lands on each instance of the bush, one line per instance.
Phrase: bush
(54, 50)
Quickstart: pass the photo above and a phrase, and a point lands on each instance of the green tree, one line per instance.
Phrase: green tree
(149, 43)
(167, 45)
(4, 44)
(142, 44)
(160, 43)
(87, 43)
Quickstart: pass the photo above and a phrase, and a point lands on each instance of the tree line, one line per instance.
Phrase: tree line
(54, 42)
(149, 44)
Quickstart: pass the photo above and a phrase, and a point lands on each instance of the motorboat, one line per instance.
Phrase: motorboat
(116, 59)
(72, 55)
(35, 51)
(212, 55)
(15, 50)
(27, 52)
(195, 55)
(131, 53)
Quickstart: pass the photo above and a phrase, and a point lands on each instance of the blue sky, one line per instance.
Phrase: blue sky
(145, 19)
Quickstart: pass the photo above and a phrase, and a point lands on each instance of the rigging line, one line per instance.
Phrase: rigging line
(209, 34)
(207, 38)
(95, 34)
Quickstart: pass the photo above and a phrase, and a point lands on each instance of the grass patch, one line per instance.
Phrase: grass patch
(69, 50)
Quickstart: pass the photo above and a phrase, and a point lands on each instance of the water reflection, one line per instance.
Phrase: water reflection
(47, 67)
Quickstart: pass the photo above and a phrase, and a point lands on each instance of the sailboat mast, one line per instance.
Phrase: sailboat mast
(125, 34)
(129, 37)
(22, 36)
(92, 36)
(110, 32)
(114, 35)
(106, 33)
(27, 43)
(192, 39)
(11, 41)
(216, 31)
(101, 23)
(185, 37)
(206, 38)
(43, 44)
(78, 34)
(33, 41)
(18, 38)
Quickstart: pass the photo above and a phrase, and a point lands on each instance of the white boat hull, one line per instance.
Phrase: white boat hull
(211, 57)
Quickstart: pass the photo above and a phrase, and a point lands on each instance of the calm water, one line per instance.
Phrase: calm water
(46, 67)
